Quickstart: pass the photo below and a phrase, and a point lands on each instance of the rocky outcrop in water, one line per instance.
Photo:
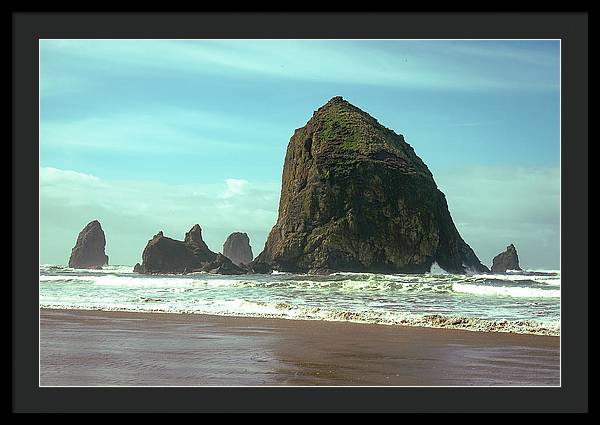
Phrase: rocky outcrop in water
(223, 265)
(356, 197)
(88, 252)
(166, 255)
(507, 260)
(260, 267)
(237, 248)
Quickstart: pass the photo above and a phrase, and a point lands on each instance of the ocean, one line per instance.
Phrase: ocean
(519, 302)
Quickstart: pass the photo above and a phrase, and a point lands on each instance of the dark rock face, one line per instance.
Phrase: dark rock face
(356, 197)
(507, 260)
(223, 265)
(88, 252)
(237, 248)
(260, 267)
(166, 255)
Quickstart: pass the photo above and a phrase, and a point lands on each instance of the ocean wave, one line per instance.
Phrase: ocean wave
(246, 308)
(549, 279)
(132, 281)
(505, 291)
(473, 302)
(45, 268)
(480, 285)
(437, 270)
(65, 278)
(440, 276)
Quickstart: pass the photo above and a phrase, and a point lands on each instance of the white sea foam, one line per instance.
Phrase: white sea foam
(437, 270)
(506, 291)
(552, 280)
(65, 278)
(504, 303)
(359, 282)
(104, 269)
(245, 308)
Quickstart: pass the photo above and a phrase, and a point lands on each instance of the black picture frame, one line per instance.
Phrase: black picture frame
(571, 28)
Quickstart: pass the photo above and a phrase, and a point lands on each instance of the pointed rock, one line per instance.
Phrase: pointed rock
(88, 252)
(507, 260)
(237, 248)
(356, 197)
(166, 255)
(194, 235)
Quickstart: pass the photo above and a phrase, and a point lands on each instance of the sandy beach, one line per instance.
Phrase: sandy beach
(89, 348)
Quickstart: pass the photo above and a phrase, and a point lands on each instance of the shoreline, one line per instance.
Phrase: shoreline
(233, 316)
(115, 348)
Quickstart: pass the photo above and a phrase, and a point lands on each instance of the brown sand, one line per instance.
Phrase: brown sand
(118, 348)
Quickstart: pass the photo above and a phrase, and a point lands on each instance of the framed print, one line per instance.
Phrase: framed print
(243, 208)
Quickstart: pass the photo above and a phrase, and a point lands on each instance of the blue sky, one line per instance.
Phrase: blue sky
(162, 134)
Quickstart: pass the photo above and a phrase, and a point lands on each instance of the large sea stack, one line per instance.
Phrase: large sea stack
(237, 248)
(507, 260)
(166, 255)
(356, 197)
(88, 252)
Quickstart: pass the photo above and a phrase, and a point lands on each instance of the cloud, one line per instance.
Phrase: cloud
(412, 64)
(517, 51)
(234, 187)
(53, 176)
(132, 211)
(495, 206)
(156, 130)
(474, 124)
(491, 206)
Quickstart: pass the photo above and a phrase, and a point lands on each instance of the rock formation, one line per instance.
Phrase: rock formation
(166, 255)
(223, 265)
(88, 252)
(356, 197)
(507, 260)
(237, 248)
(258, 266)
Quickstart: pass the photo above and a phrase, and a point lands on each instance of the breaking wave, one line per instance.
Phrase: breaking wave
(244, 308)
(526, 302)
(506, 291)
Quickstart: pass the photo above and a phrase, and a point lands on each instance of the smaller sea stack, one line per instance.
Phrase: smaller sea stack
(88, 252)
(166, 255)
(507, 260)
(237, 248)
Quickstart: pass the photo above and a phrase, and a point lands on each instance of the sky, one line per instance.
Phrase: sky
(149, 135)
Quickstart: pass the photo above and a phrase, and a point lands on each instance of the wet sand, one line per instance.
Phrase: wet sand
(151, 349)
